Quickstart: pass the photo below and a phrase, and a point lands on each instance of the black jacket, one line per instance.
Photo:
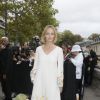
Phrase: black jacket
(68, 92)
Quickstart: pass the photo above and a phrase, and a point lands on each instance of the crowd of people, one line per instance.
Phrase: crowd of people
(16, 63)
(48, 72)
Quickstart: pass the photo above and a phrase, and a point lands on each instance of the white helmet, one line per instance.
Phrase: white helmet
(76, 48)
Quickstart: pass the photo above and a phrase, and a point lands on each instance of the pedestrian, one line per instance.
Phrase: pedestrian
(6, 67)
(47, 73)
(92, 62)
(69, 87)
(77, 60)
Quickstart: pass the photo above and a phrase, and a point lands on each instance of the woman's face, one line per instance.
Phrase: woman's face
(49, 35)
(75, 53)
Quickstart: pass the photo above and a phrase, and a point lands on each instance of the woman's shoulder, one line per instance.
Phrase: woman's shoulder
(59, 48)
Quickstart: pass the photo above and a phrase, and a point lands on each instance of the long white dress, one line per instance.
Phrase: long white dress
(47, 71)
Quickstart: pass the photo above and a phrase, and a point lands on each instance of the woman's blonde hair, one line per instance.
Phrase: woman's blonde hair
(43, 40)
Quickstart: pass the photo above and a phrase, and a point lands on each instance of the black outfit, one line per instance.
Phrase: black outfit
(21, 74)
(94, 57)
(89, 69)
(6, 69)
(15, 74)
(69, 87)
(93, 63)
(23, 78)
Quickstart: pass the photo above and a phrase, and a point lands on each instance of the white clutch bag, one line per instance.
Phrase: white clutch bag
(32, 75)
(60, 81)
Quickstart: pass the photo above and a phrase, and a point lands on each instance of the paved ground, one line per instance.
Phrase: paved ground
(93, 92)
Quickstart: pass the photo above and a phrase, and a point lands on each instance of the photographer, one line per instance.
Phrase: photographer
(35, 42)
(6, 67)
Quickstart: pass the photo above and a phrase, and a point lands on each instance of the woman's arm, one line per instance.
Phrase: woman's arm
(60, 67)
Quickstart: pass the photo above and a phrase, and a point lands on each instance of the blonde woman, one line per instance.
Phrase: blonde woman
(47, 73)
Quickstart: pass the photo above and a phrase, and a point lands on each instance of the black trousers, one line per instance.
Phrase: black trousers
(6, 88)
(78, 87)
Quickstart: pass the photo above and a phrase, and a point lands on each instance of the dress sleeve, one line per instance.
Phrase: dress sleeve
(60, 68)
(35, 66)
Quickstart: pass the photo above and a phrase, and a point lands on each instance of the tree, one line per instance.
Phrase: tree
(27, 18)
(93, 36)
(1, 32)
(78, 38)
(68, 37)
(59, 39)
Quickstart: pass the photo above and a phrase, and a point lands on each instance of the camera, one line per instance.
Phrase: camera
(35, 42)
(36, 38)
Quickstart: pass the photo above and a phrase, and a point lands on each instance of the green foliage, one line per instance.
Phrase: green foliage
(68, 37)
(93, 36)
(1, 32)
(78, 38)
(27, 18)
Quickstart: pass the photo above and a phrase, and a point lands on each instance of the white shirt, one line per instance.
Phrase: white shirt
(78, 62)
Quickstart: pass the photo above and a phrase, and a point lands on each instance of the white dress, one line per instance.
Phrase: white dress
(47, 71)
